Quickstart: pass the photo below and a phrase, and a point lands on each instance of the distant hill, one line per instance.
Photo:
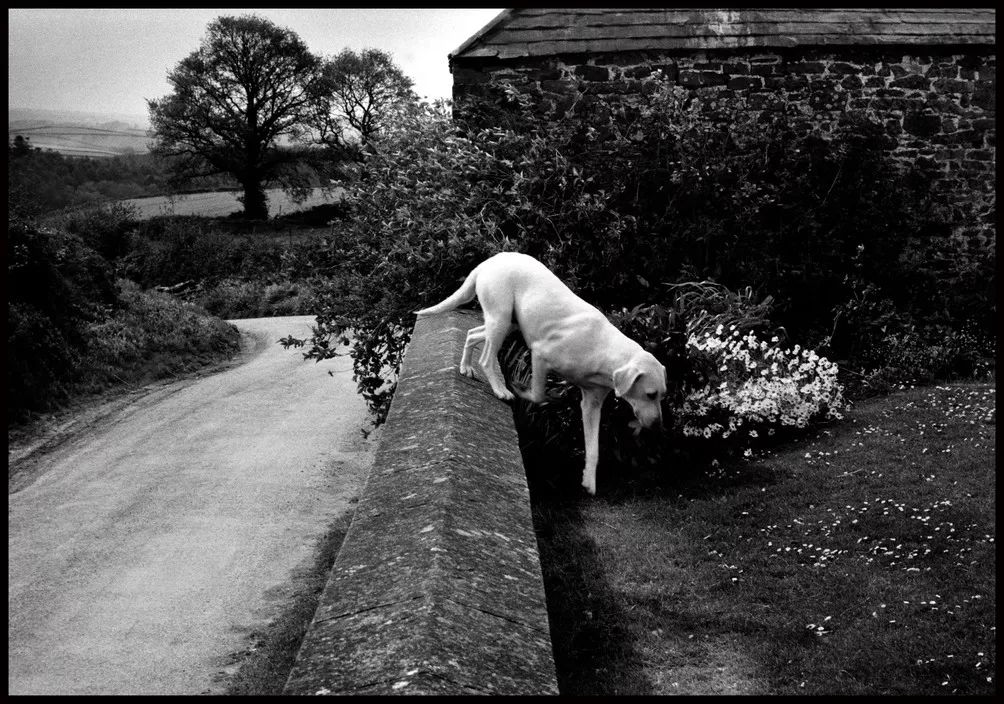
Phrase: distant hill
(76, 133)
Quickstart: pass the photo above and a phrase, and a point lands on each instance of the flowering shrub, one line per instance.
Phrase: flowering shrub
(754, 386)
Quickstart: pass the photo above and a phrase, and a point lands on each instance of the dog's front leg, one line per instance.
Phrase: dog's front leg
(538, 380)
(592, 404)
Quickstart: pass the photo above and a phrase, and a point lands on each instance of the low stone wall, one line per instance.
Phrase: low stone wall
(437, 588)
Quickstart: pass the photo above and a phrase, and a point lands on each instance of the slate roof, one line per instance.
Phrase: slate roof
(529, 32)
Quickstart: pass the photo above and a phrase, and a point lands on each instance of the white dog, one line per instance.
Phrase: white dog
(565, 334)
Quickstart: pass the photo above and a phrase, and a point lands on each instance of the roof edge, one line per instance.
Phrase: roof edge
(497, 20)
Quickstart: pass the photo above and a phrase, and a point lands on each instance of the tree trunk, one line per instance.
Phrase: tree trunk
(255, 201)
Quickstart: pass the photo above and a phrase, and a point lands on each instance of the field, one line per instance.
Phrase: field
(222, 203)
(83, 136)
(861, 560)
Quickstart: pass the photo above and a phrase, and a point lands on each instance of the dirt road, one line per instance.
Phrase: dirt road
(153, 543)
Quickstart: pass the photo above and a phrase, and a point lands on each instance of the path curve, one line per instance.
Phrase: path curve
(151, 545)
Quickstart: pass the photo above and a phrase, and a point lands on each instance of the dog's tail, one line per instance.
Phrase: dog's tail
(464, 294)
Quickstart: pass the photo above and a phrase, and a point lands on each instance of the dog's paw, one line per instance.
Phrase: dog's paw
(590, 487)
(504, 394)
(467, 371)
(524, 393)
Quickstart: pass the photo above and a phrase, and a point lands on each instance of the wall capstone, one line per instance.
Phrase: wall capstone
(437, 588)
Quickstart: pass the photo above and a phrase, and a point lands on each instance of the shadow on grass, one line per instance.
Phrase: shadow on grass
(595, 639)
(593, 650)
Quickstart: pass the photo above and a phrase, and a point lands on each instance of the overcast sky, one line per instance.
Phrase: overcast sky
(110, 61)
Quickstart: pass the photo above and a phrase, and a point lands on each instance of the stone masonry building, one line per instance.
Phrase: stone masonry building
(927, 75)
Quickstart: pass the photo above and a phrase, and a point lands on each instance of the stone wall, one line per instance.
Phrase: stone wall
(437, 588)
(938, 103)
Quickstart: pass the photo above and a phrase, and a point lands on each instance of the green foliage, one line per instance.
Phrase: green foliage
(71, 330)
(150, 336)
(56, 287)
(237, 298)
(108, 229)
(171, 250)
(362, 93)
(416, 229)
(627, 203)
(46, 181)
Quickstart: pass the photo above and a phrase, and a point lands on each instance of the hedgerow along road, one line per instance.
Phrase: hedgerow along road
(151, 545)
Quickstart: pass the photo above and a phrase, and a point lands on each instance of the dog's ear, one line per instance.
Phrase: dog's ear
(624, 377)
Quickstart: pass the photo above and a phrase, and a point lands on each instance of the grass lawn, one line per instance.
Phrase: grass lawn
(860, 560)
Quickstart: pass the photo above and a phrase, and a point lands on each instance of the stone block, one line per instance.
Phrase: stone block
(840, 68)
(592, 73)
(943, 70)
(980, 154)
(559, 86)
(985, 95)
(951, 85)
(700, 79)
(464, 76)
(670, 71)
(544, 74)
(806, 67)
(912, 81)
(968, 138)
(637, 71)
(745, 83)
(922, 124)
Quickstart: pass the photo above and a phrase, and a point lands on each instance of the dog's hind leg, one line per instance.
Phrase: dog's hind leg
(495, 331)
(592, 404)
(475, 336)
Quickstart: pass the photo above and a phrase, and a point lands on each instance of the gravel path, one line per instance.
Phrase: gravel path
(149, 546)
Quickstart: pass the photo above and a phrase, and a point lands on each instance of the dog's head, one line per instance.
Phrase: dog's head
(642, 383)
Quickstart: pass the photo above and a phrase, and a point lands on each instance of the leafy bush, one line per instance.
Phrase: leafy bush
(724, 384)
(108, 229)
(56, 286)
(72, 330)
(150, 336)
(237, 298)
(419, 223)
(170, 250)
(625, 205)
(922, 356)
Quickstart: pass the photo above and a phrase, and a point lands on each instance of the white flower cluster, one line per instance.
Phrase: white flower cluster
(758, 385)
